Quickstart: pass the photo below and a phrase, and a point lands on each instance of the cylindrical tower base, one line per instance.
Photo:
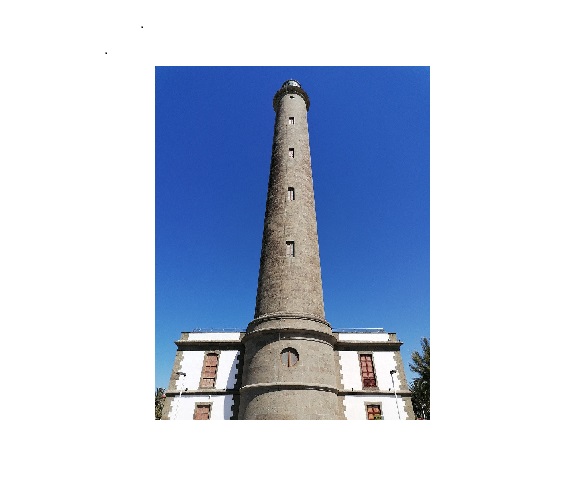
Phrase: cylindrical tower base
(290, 370)
(282, 402)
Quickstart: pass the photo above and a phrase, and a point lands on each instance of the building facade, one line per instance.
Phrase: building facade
(289, 363)
(205, 381)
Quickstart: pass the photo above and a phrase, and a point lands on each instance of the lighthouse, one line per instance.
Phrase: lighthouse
(288, 363)
(289, 368)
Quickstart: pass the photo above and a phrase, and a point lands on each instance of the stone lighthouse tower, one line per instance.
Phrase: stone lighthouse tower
(289, 363)
(289, 369)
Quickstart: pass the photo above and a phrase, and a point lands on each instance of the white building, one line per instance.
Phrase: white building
(206, 376)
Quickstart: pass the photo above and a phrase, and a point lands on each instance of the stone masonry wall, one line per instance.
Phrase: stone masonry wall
(290, 284)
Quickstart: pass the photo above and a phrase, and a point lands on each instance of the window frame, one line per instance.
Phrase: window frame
(363, 377)
(290, 249)
(289, 351)
(204, 378)
(371, 405)
(199, 405)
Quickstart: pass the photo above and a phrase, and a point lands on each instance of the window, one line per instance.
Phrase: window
(202, 411)
(291, 153)
(289, 357)
(291, 120)
(291, 248)
(291, 97)
(373, 411)
(210, 370)
(367, 371)
(291, 193)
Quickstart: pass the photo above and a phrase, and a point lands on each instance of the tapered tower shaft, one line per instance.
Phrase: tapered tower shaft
(290, 369)
(290, 275)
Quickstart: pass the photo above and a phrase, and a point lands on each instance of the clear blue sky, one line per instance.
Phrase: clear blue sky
(369, 141)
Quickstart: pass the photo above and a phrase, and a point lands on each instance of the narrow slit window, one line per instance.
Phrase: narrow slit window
(367, 371)
(291, 152)
(291, 193)
(291, 120)
(202, 411)
(291, 248)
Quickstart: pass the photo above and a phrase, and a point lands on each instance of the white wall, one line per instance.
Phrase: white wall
(384, 362)
(184, 407)
(192, 365)
(227, 369)
(350, 368)
(356, 406)
(363, 337)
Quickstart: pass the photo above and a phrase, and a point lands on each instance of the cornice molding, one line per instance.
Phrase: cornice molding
(288, 316)
(278, 386)
(290, 89)
(367, 345)
(208, 344)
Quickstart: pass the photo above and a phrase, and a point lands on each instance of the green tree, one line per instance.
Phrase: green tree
(420, 385)
(159, 402)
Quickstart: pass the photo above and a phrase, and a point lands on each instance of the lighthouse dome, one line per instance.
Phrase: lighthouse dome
(291, 82)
